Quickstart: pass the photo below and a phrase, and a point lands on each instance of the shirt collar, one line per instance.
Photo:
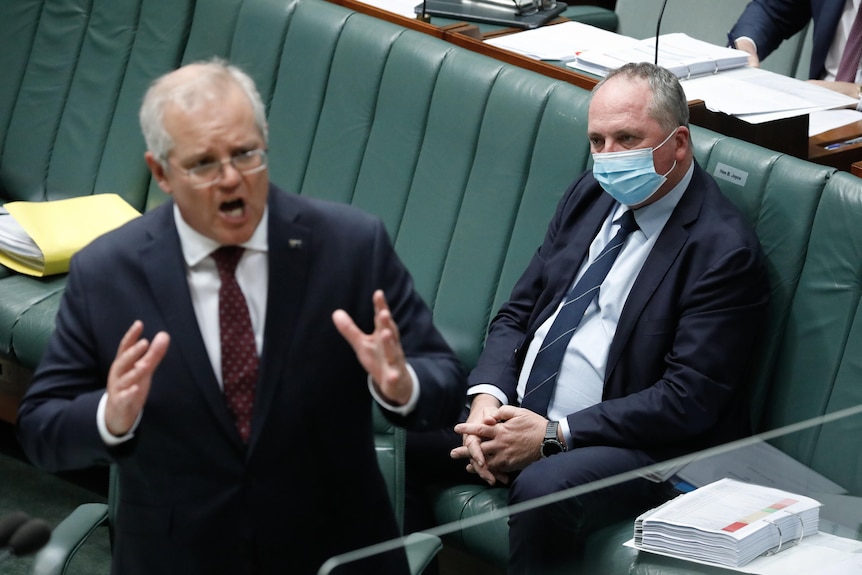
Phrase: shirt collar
(197, 246)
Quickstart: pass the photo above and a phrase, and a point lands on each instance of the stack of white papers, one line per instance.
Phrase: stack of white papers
(17, 242)
(684, 56)
(727, 523)
(751, 94)
(563, 41)
(757, 95)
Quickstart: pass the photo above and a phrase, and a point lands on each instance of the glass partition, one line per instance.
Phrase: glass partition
(818, 458)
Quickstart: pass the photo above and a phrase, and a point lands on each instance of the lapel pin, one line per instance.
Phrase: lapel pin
(294, 244)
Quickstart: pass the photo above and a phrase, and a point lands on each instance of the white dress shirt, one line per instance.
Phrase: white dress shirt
(252, 274)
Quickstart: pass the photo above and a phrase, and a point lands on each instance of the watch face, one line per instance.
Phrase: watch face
(551, 447)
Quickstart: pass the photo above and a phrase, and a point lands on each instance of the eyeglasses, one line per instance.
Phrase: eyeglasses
(211, 173)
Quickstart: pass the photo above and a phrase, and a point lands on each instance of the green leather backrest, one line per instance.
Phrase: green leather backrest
(18, 21)
(807, 218)
(462, 157)
(820, 368)
(779, 195)
(72, 125)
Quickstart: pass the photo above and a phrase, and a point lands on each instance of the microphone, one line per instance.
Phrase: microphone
(30, 537)
(22, 535)
(423, 15)
(9, 524)
(657, 28)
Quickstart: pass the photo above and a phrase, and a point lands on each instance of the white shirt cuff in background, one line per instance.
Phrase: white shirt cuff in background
(405, 409)
(108, 437)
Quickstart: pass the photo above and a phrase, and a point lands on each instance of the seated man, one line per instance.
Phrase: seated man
(627, 339)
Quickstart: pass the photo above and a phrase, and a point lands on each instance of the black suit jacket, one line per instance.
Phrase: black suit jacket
(769, 22)
(677, 364)
(194, 498)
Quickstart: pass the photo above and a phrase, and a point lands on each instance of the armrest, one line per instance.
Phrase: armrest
(67, 537)
(421, 549)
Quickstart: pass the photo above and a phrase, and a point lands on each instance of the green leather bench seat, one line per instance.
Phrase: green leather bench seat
(464, 159)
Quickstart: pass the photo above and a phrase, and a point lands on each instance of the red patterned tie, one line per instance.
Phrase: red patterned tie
(238, 352)
(849, 65)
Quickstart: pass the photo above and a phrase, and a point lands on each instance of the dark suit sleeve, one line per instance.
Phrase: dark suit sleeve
(769, 22)
(696, 393)
(57, 417)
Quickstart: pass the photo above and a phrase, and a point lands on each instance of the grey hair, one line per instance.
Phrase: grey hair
(213, 77)
(669, 106)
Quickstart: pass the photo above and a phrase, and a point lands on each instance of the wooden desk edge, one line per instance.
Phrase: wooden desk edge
(453, 36)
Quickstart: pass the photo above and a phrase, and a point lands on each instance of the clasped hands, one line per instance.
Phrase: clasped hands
(499, 439)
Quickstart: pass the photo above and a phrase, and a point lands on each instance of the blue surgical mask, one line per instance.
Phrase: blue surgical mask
(629, 176)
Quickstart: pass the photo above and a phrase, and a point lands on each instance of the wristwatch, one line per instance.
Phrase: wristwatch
(551, 445)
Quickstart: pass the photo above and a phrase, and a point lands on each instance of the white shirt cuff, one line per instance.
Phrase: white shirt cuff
(108, 437)
(753, 43)
(566, 431)
(490, 390)
(405, 409)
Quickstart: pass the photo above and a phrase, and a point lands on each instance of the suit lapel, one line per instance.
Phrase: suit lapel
(665, 251)
(162, 260)
(289, 258)
(577, 247)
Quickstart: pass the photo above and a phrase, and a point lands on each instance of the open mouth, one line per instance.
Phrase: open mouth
(234, 208)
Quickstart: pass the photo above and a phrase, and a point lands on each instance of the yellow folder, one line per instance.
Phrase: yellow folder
(59, 228)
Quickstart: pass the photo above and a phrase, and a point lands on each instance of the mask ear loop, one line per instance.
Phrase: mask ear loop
(670, 170)
(669, 136)
(666, 139)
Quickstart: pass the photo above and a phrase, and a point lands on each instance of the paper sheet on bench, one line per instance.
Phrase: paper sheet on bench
(822, 554)
(560, 41)
(819, 122)
(756, 95)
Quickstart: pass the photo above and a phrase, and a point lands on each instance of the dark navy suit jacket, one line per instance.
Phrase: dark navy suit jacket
(194, 499)
(677, 365)
(769, 22)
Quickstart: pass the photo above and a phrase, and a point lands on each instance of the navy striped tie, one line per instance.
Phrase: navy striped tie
(543, 376)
